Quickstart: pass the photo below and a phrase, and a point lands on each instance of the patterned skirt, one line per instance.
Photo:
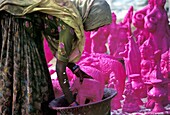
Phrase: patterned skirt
(25, 83)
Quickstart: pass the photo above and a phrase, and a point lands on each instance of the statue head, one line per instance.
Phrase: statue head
(160, 3)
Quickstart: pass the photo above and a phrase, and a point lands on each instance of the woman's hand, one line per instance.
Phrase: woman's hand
(78, 72)
(81, 74)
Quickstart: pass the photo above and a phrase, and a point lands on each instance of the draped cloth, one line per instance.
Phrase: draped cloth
(94, 13)
(78, 14)
(63, 9)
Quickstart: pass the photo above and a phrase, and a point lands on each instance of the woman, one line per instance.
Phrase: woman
(25, 84)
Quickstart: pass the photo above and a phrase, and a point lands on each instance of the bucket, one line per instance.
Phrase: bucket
(60, 105)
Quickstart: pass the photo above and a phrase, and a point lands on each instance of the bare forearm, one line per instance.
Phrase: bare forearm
(63, 80)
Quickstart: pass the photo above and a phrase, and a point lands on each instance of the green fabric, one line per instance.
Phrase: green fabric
(22, 61)
(63, 9)
(25, 82)
(61, 38)
(66, 42)
(94, 13)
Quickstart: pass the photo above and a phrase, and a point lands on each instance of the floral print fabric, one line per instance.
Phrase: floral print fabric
(25, 83)
(61, 43)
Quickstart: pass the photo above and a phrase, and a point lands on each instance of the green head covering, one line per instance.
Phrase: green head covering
(87, 14)
(94, 13)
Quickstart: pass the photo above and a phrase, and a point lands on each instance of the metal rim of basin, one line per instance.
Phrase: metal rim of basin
(111, 95)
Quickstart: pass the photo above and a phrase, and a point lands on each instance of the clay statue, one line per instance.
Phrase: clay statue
(48, 54)
(129, 103)
(147, 61)
(140, 33)
(95, 74)
(132, 57)
(164, 65)
(88, 42)
(114, 83)
(89, 89)
(106, 64)
(99, 40)
(119, 33)
(156, 22)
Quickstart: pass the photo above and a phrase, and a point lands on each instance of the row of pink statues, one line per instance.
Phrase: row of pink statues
(131, 56)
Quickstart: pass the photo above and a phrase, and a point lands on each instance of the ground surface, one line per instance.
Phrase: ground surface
(143, 111)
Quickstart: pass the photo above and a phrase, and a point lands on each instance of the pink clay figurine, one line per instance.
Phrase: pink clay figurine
(106, 65)
(48, 54)
(132, 57)
(157, 94)
(88, 42)
(114, 83)
(95, 74)
(99, 39)
(129, 104)
(141, 34)
(89, 89)
(118, 35)
(156, 22)
(164, 65)
(147, 61)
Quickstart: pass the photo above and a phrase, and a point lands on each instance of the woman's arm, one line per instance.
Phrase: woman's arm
(63, 80)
